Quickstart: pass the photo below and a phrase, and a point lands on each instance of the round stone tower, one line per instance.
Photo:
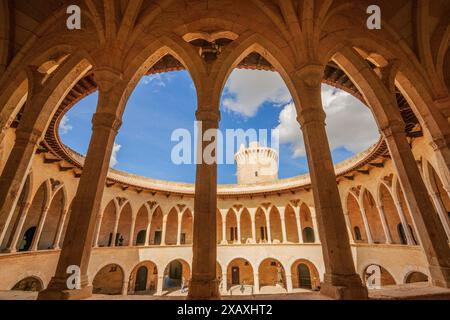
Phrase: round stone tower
(256, 164)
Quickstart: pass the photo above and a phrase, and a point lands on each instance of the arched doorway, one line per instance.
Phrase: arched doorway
(109, 280)
(275, 226)
(140, 227)
(373, 218)
(272, 276)
(305, 275)
(231, 226)
(52, 219)
(240, 277)
(246, 227)
(307, 224)
(172, 227)
(124, 227)
(108, 222)
(261, 226)
(143, 278)
(391, 214)
(186, 227)
(291, 225)
(156, 227)
(177, 276)
(29, 284)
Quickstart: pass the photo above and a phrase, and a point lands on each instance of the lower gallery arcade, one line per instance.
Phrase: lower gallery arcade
(387, 207)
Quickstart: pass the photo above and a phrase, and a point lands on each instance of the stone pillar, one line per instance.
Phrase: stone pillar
(59, 231)
(132, 227)
(204, 282)
(404, 222)
(164, 227)
(77, 246)
(252, 212)
(224, 226)
(224, 283)
(40, 227)
(281, 210)
(288, 281)
(299, 225)
(366, 224)
(11, 246)
(125, 288)
(387, 232)
(267, 216)
(312, 210)
(442, 212)
(238, 219)
(430, 230)
(256, 282)
(349, 227)
(98, 227)
(340, 280)
(147, 233)
(159, 286)
(180, 216)
(115, 231)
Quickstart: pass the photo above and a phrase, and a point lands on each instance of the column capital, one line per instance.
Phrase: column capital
(393, 127)
(311, 74)
(310, 115)
(106, 120)
(208, 115)
(107, 77)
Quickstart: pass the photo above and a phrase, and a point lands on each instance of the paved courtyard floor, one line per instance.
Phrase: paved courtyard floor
(415, 291)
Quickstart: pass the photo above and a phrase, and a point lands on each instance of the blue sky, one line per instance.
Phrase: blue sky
(252, 99)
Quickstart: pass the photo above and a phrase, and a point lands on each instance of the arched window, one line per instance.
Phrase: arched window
(140, 240)
(357, 234)
(401, 234)
(27, 239)
(308, 235)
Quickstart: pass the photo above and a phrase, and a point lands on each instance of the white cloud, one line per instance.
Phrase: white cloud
(350, 124)
(116, 148)
(157, 80)
(64, 125)
(247, 90)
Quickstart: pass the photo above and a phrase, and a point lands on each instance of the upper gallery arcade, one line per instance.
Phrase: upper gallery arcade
(387, 206)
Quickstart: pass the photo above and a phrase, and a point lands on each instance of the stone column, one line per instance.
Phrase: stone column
(404, 222)
(312, 210)
(267, 216)
(224, 226)
(340, 280)
(40, 227)
(256, 282)
(98, 227)
(281, 210)
(159, 286)
(132, 227)
(180, 216)
(77, 246)
(147, 233)
(115, 231)
(387, 232)
(204, 282)
(442, 212)
(366, 225)
(430, 230)
(252, 212)
(59, 231)
(238, 219)
(224, 283)
(125, 288)
(299, 225)
(163, 231)
(288, 281)
(11, 246)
